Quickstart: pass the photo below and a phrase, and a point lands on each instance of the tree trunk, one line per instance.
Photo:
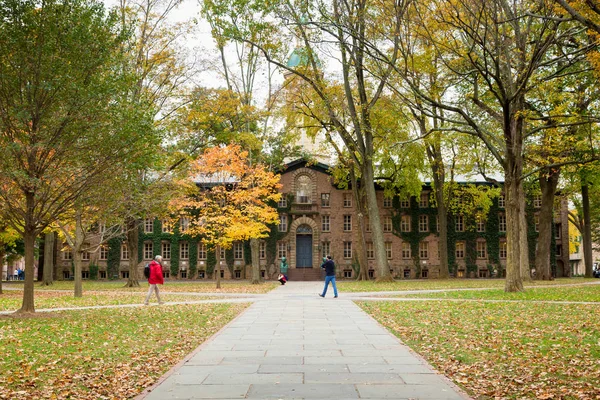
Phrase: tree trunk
(218, 266)
(29, 239)
(77, 268)
(525, 268)
(548, 186)
(361, 246)
(587, 231)
(254, 250)
(47, 278)
(513, 259)
(132, 244)
(438, 182)
(381, 263)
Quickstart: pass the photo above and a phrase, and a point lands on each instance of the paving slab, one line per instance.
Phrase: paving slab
(292, 344)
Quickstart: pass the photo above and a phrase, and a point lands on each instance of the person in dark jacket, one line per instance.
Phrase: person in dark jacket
(329, 267)
(155, 279)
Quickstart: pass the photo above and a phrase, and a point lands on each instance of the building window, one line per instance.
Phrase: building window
(406, 252)
(262, 250)
(222, 274)
(387, 202)
(406, 274)
(405, 223)
(103, 252)
(536, 222)
(184, 250)
(222, 254)
(405, 203)
(501, 201)
(558, 250)
(125, 274)
(388, 250)
(347, 273)
(423, 223)
(502, 222)
(183, 274)
(502, 251)
(460, 249)
(148, 225)
(537, 201)
(347, 249)
(124, 252)
(424, 200)
(347, 223)
(325, 225)
(424, 249)
(481, 249)
(325, 199)
(371, 273)
(557, 231)
(67, 254)
(238, 274)
(460, 223)
(282, 223)
(148, 251)
(424, 273)
(238, 251)
(480, 224)
(166, 250)
(201, 274)
(184, 224)
(387, 224)
(102, 274)
(282, 203)
(303, 189)
(201, 251)
(325, 249)
(347, 199)
(166, 274)
(167, 226)
(281, 250)
(85, 256)
(483, 273)
(370, 250)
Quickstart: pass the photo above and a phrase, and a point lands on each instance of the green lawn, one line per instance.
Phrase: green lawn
(93, 354)
(169, 286)
(12, 300)
(574, 293)
(429, 284)
(503, 350)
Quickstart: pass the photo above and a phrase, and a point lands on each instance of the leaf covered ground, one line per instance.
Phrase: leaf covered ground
(101, 354)
(509, 350)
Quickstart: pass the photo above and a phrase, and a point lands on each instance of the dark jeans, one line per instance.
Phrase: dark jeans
(332, 280)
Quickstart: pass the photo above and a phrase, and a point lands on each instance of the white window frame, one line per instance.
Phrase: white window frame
(325, 249)
(325, 223)
(282, 203)
(460, 223)
(262, 250)
(388, 250)
(148, 251)
(424, 200)
(238, 251)
(481, 249)
(387, 223)
(405, 223)
(124, 251)
(165, 250)
(406, 251)
(325, 199)
(283, 226)
(103, 252)
(370, 251)
(460, 250)
(423, 223)
(347, 200)
(387, 202)
(347, 249)
(424, 249)
(502, 222)
(347, 223)
(281, 250)
(184, 224)
(148, 225)
(202, 253)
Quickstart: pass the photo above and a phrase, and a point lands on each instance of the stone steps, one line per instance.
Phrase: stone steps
(305, 274)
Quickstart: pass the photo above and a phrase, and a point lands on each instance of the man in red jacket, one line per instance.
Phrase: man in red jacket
(155, 279)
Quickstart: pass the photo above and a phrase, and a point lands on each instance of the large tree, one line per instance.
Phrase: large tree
(63, 115)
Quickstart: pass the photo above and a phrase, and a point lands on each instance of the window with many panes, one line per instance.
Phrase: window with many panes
(262, 250)
(103, 252)
(166, 250)
(480, 224)
(424, 200)
(388, 250)
(148, 225)
(201, 251)
(370, 250)
(148, 251)
(167, 226)
(222, 254)
(536, 222)
(124, 252)
(184, 250)
(67, 255)
(347, 199)
(347, 249)
(282, 223)
(85, 256)
(460, 223)
(481, 249)
(406, 252)
(502, 251)
(303, 189)
(501, 201)
(325, 249)
(387, 202)
(325, 223)
(347, 223)
(405, 223)
(423, 223)
(387, 224)
(281, 250)
(184, 224)
(460, 249)
(325, 198)
(502, 222)
(537, 201)
(424, 249)
(282, 203)
(405, 203)
(238, 251)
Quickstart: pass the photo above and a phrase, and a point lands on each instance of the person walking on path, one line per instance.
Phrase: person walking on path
(329, 266)
(155, 279)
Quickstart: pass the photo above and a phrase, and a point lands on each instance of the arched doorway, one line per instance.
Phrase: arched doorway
(304, 247)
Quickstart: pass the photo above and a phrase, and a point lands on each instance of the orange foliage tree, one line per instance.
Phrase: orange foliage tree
(228, 200)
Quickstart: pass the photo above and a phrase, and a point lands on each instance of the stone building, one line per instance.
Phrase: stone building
(318, 218)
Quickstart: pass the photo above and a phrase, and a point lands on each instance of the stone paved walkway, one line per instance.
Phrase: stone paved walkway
(292, 344)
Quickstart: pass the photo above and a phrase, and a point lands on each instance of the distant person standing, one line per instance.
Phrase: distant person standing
(329, 267)
(155, 279)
